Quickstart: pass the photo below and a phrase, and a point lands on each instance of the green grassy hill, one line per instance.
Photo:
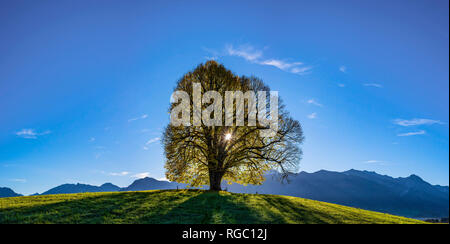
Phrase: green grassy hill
(183, 206)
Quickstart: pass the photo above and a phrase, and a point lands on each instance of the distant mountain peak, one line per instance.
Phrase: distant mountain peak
(8, 192)
(149, 183)
(107, 184)
(415, 178)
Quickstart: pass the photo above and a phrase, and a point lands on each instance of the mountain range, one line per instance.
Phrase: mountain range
(409, 196)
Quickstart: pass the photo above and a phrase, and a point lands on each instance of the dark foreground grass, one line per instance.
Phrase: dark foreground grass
(183, 207)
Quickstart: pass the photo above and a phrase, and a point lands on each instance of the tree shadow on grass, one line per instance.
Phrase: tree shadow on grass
(208, 207)
(124, 207)
(218, 208)
(289, 211)
(165, 207)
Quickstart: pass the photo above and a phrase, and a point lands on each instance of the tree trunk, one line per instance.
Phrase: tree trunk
(215, 178)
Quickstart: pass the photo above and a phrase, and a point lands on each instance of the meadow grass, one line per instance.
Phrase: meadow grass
(184, 207)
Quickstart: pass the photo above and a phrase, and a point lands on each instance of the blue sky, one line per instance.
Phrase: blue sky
(85, 87)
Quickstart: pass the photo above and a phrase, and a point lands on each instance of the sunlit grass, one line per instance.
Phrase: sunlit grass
(183, 206)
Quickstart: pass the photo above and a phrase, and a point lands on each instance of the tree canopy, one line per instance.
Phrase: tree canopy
(199, 154)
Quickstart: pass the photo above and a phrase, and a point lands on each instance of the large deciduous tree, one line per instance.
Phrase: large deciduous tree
(201, 155)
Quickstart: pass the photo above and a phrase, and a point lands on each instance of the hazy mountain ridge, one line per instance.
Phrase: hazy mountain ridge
(80, 188)
(407, 196)
(8, 192)
(410, 196)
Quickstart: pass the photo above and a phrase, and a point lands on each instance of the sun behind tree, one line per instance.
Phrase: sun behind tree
(205, 155)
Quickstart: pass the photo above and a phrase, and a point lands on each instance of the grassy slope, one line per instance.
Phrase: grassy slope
(193, 206)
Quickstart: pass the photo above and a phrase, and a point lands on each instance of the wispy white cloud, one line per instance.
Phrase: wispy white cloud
(153, 140)
(301, 70)
(150, 141)
(144, 116)
(343, 69)
(379, 162)
(414, 133)
(254, 55)
(31, 133)
(92, 139)
(314, 102)
(414, 122)
(247, 52)
(280, 64)
(312, 116)
(341, 85)
(19, 180)
(123, 173)
(373, 161)
(142, 175)
(373, 85)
